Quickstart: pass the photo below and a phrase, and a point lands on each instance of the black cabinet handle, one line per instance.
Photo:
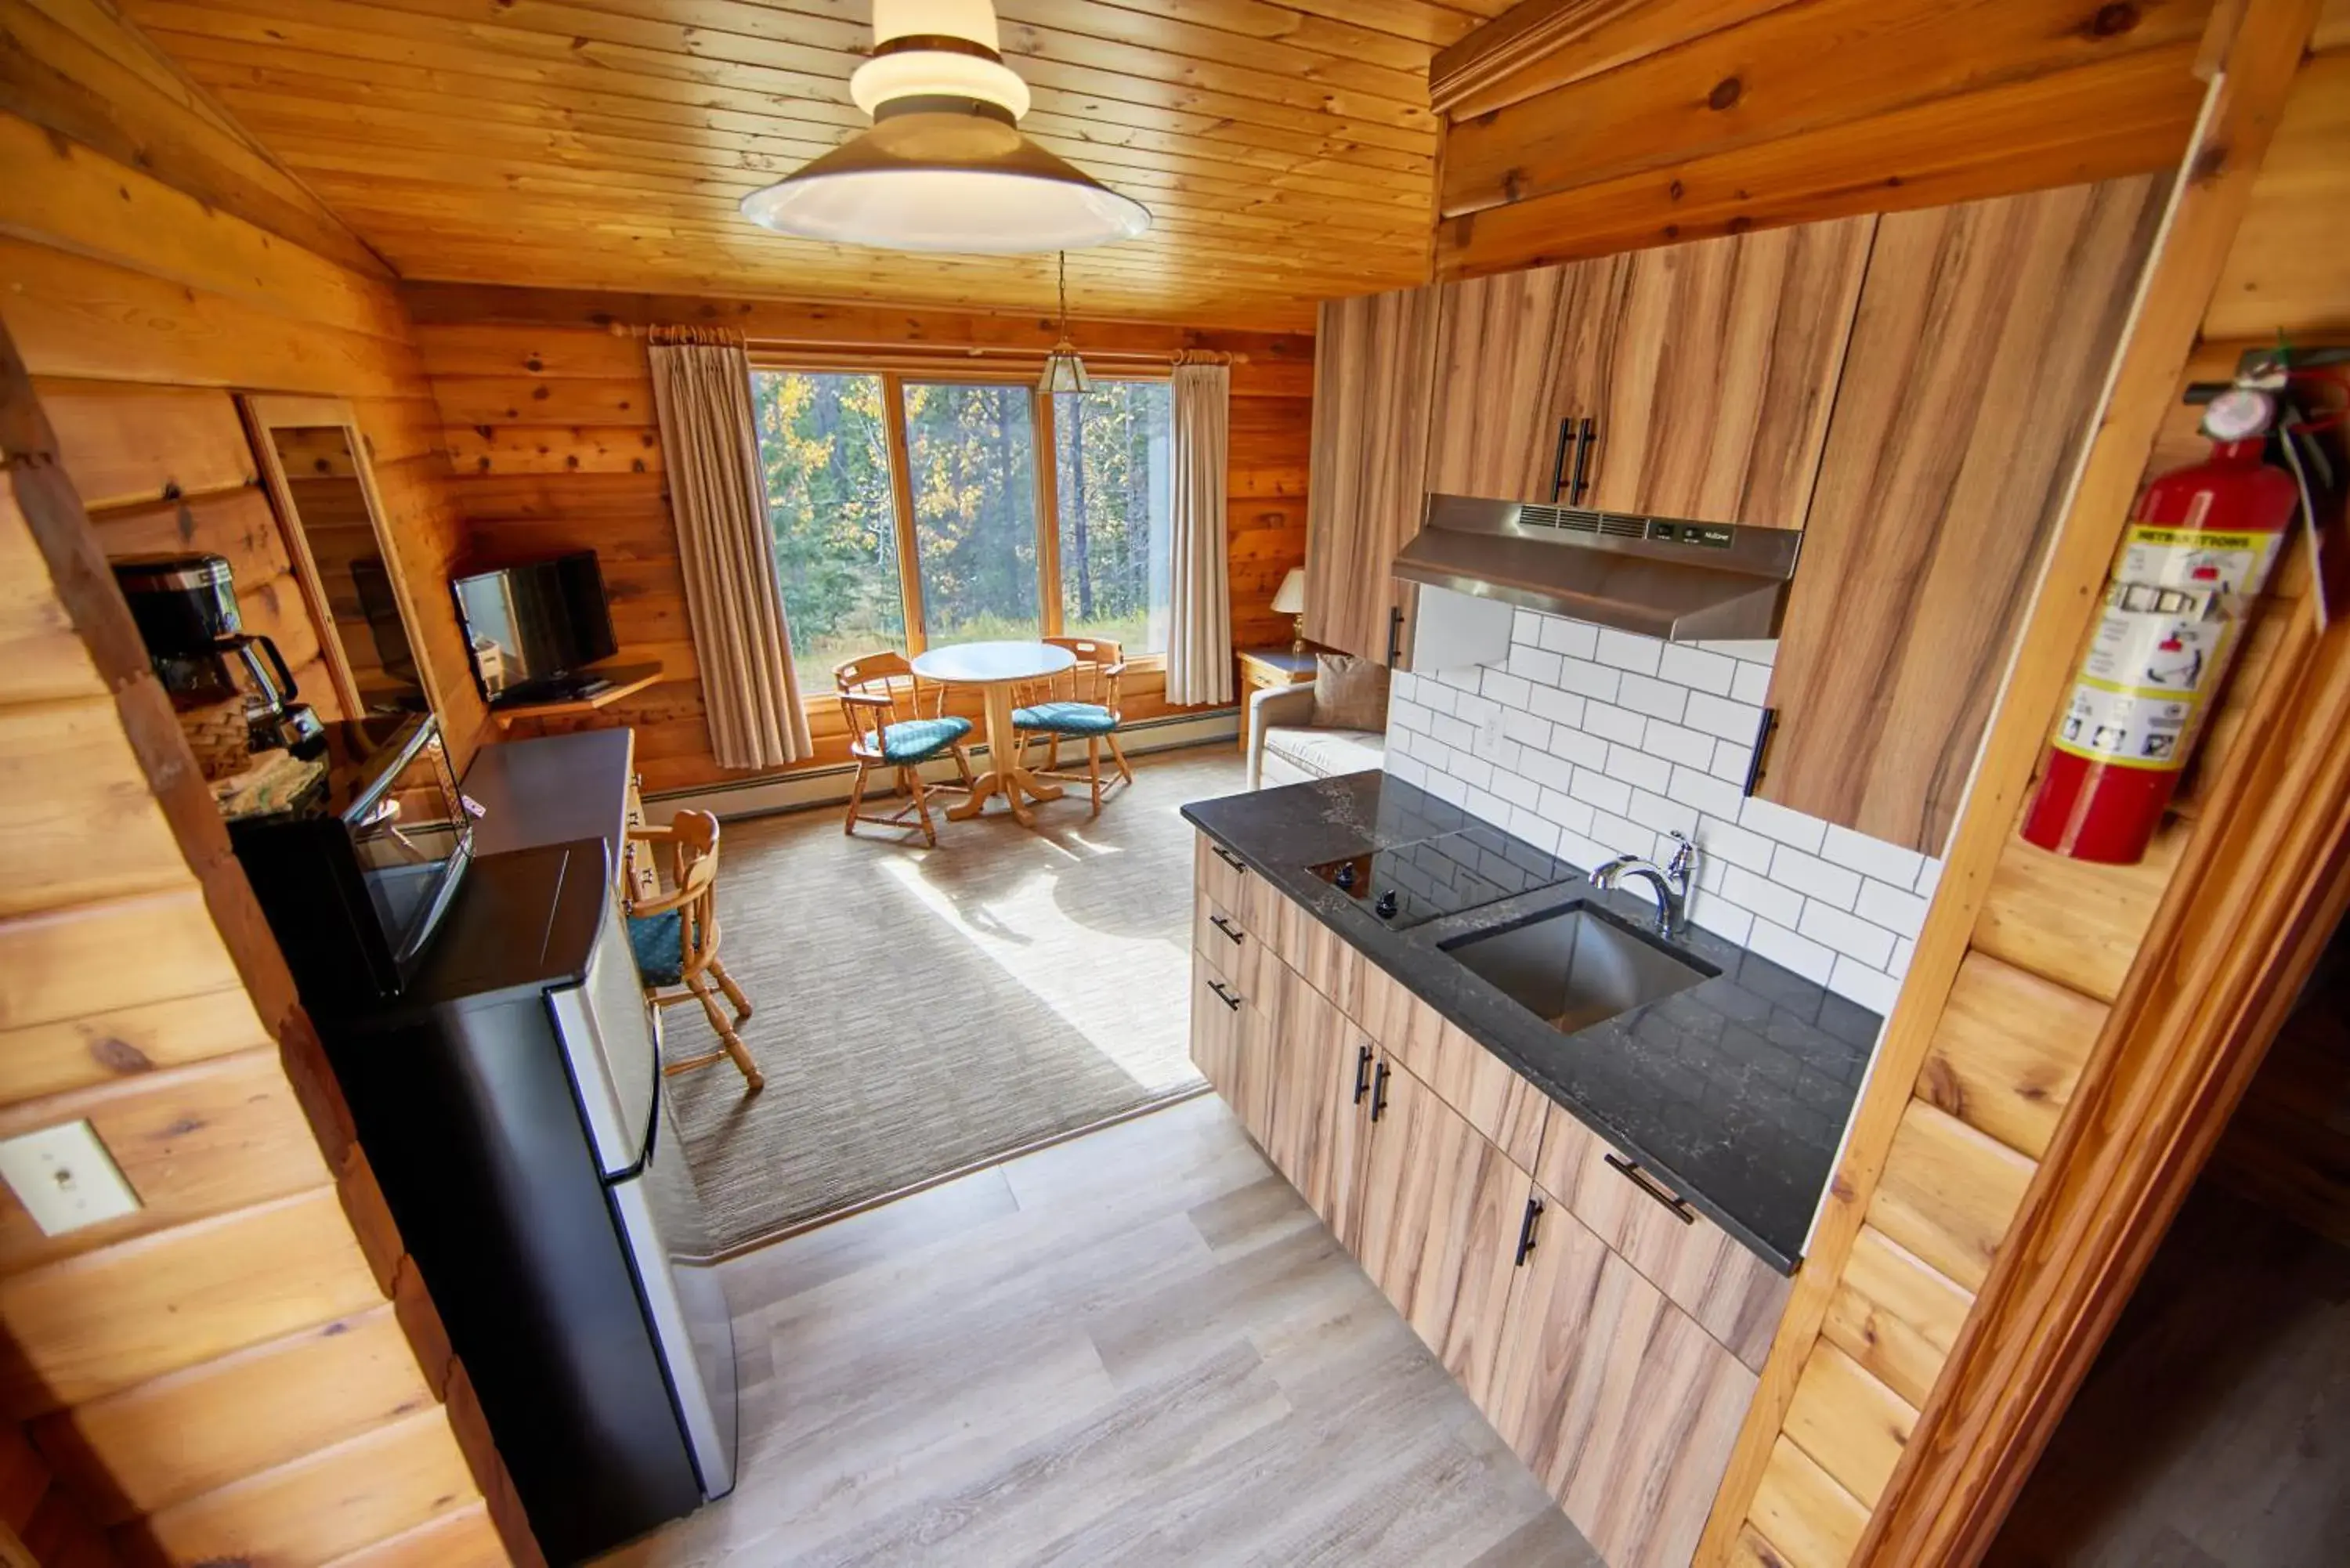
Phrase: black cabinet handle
(1379, 1093)
(1395, 636)
(1226, 927)
(1362, 1073)
(1763, 733)
(1527, 1232)
(1585, 438)
(1228, 998)
(1558, 464)
(1653, 1188)
(1229, 858)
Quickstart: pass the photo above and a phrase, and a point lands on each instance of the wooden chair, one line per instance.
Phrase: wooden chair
(1080, 703)
(675, 940)
(881, 702)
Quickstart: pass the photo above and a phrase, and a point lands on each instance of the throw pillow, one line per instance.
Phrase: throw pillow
(1349, 693)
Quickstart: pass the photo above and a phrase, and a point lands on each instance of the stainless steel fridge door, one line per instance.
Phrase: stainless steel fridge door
(607, 1030)
(661, 1225)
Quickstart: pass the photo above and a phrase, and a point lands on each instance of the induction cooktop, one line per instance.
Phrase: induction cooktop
(1410, 884)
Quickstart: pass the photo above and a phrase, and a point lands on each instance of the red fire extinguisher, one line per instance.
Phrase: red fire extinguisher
(2203, 538)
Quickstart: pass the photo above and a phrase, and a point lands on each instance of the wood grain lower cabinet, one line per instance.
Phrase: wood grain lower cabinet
(1323, 1084)
(1233, 1044)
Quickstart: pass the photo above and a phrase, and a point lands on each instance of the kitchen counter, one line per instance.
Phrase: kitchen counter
(1734, 1092)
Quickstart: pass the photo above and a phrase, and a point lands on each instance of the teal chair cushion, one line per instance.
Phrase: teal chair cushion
(1065, 719)
(659, 945)
(918, 740)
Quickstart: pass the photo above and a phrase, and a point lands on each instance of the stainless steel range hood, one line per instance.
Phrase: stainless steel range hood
(1661, 577)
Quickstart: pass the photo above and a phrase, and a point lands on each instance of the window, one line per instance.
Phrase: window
(971, 454)
(1111, 448)
(993, 551)
(825, 452)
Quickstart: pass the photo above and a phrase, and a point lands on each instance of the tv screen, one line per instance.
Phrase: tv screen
(530, 625)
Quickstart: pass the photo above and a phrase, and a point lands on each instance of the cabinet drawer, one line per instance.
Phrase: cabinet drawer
(1222, 874)
(1232, 1045)
(1734, 1294)
(1231, 941)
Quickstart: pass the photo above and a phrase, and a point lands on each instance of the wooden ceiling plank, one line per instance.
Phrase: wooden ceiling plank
(1550, 43)
(1803, 67)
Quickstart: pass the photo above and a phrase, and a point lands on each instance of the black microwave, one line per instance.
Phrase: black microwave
(355, 867)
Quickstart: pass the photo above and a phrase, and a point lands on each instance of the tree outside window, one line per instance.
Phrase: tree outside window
(1112, 450)
(825, 454)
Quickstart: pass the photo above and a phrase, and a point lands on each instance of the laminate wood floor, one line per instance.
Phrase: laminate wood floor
(1138, 1348)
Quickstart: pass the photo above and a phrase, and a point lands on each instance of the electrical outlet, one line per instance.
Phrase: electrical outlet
(65, 1177)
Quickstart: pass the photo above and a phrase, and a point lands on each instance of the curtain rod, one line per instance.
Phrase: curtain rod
(730, 336)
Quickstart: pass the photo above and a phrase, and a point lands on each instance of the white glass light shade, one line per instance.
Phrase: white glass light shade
(932, 73)
(960, 182)
(1290, 598)
(1063, 371)
(971, 20)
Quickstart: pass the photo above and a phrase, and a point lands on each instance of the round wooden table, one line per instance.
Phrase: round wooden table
(995, 668)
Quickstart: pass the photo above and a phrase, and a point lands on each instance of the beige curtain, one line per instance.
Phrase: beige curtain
(701, 394)
(1199, 630)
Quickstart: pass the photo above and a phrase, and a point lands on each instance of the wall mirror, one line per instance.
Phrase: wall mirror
(316, 465)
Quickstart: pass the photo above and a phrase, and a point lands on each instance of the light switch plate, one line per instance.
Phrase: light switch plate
(65, 1177)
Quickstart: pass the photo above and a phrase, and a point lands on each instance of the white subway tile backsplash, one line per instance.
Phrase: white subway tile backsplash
(1775, 821)
(1589, 680)
(1657, 699)
(1638, 769)
(1529, 663)
(1606, 741)
(1628, 651)
(1784, 948)
(1576, 639)
(1598, 789)
(1873, 989)
(1558, 707)
(1848, 934)
(1698, 670)
(1676, 745)
(1872, 857)
(1814, 877)
(1903, 914)
(1610, 723)
(1720, 716)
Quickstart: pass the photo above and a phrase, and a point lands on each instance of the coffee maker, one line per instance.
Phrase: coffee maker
(185, 607)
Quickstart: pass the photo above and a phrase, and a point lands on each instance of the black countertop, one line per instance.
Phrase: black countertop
(1734, 1092)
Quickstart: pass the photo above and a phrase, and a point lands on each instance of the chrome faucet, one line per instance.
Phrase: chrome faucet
(1671, 881)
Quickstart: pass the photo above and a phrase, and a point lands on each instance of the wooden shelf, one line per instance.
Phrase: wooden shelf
(626, 680)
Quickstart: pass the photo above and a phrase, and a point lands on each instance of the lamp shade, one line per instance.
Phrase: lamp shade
(1290, 599)
(945, 167)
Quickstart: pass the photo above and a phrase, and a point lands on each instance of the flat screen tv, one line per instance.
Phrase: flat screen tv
(531, 627)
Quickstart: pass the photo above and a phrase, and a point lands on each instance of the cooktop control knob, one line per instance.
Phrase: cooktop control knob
(1385, 908)
(1347, 875)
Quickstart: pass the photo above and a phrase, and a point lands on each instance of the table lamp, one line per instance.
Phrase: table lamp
(1291, 600)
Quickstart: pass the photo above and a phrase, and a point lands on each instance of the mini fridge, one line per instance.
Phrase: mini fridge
(512, 1105)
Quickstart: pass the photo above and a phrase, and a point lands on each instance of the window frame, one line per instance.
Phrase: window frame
(1045, 460)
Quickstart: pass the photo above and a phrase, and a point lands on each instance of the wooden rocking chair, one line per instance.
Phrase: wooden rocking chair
(881, 702)
(675, 940)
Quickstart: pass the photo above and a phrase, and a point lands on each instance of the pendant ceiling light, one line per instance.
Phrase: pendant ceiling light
(945, 167)
(1063, 371)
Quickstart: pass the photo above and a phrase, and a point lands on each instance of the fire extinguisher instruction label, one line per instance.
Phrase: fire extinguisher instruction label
(2196, 558)
(2156, 653)
(2107, 726)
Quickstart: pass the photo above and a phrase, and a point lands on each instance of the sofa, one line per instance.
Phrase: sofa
(1283, 747)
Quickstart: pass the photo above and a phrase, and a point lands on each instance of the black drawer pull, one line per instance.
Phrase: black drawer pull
(1226, 927)
(1584, 441)
(1227, 998)
(1395, 638)
(1527, 1232)
(1558, 464)
(1654, 1188)
(1362, 1073)
(1229, 858)
(1379, 1093)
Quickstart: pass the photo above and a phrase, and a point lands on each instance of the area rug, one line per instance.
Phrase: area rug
(922, 1011)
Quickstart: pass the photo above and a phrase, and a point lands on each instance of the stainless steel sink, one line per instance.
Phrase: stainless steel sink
(1579, 966)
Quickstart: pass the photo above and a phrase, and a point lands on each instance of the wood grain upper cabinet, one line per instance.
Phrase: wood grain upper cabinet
(1367, 486)
(1691, 380)
(1978, 356)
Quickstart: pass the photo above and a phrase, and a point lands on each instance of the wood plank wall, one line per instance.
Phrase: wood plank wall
(248, 1369)
(2051, 948)
(549, 421)
(1643, 125)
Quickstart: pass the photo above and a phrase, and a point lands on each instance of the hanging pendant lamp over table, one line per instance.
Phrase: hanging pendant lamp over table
(1063, 371)
(945, 167)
